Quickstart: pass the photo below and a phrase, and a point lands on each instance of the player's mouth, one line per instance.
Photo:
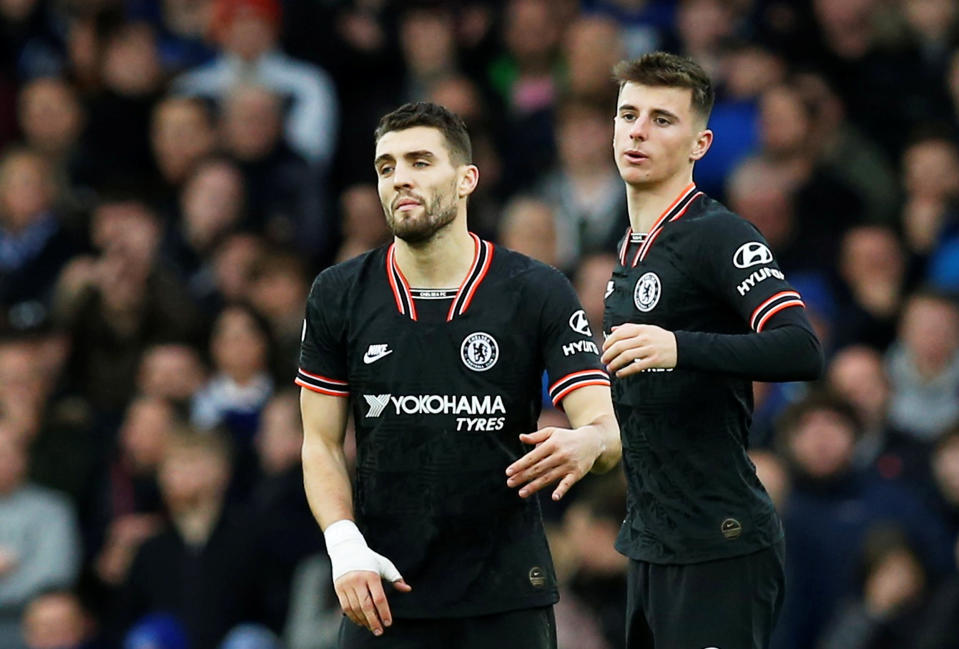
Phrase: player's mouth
(405, 204)
(635, 156)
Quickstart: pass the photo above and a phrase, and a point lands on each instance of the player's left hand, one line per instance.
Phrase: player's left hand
(632, 348)
(561, 455)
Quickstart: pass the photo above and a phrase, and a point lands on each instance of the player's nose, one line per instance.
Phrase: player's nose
(402, 177)
(639, 129)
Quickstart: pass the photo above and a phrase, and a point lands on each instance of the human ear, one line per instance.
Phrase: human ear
(469, 178)
(701, 145)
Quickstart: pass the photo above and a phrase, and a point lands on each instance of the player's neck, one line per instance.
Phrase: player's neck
(442, 262)
(646, 203)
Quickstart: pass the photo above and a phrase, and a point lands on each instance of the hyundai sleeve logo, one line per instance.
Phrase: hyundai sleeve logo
(752, 254)
(579, 323)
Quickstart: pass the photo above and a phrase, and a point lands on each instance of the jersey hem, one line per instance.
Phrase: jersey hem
(443, 612)
(703, 558)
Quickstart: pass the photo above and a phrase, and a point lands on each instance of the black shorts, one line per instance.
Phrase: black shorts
(532, 628)
(724, 604)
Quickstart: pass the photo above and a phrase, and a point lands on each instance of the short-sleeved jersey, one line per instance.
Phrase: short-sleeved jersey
(693, 492)
(439, 398)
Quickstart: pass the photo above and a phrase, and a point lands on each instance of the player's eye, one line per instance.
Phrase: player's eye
(628, 117)
(662, 121)
(420, 164)
(386, 170)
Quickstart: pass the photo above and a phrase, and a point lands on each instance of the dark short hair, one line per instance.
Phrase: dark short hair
(423, 113)
(671, 71)
(821, 400)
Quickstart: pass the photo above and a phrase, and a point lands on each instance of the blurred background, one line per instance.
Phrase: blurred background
(173, 174)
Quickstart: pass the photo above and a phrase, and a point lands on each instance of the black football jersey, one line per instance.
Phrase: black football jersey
(441, 385)
(693, 492)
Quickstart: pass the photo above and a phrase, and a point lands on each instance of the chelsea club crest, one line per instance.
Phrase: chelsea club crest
(479, 351)
(647, 291)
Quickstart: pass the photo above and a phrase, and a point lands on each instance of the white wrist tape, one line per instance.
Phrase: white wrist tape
(348, 552)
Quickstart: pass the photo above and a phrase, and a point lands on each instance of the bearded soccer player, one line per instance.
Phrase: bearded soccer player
(696, 310)
(437, 344)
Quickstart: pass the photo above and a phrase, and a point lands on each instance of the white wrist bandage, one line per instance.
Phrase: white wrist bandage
(348, 552)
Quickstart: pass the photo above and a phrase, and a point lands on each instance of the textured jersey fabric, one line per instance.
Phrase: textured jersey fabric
(709, 276)
(439, 397)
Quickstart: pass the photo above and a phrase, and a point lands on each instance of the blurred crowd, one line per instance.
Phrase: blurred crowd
(173, 173)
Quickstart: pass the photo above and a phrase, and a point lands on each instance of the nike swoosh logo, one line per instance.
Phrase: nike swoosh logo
(372, 358)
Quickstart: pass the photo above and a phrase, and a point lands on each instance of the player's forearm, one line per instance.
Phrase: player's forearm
(607, 431)
(787, 353)
(590, 410)
(327, 482)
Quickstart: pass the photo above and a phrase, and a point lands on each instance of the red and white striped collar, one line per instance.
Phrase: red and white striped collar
(674, 212)
(482, 258)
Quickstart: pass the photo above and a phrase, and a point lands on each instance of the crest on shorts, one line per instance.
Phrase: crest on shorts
(479, 351)
(647, 291)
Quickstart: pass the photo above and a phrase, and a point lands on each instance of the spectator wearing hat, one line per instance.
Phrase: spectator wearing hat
(248, 31)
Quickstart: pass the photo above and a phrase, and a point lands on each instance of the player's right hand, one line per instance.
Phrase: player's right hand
(358, 574)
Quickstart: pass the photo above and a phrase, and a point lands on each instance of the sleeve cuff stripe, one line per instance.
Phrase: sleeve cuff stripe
(324, 379)
(582, 384)
(314, 388)
(782, 296)
(577, 377)
(777, 309)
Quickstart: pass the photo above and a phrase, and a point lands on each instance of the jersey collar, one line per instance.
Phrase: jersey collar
(403, 296)
(672, 213)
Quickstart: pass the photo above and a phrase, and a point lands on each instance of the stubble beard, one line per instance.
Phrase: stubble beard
(437, 214)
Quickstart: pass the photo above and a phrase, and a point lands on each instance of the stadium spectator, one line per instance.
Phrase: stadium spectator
(823, 204)
(583, 188)
(872, 274)
(940, 623)
(58, 619)
(858, 374)
(592, 45)
(527, 80)
(172, 371)
(126, 82)
(39, 539)
(893, 590)
(117, 304)
(427, 35)
(598, 577)
(830, 507)
(34, 244)
(247, 31)
(241, 381)
(362, 224)
(314, 612)
(181, 28)
(232, 264)
(279, 285)
(212, 204)
(844, 152)
(52, 120)
(944, 470)
(923, 365)
(128, 508)
(29, 44)
(278, 500)
(529, 226)
(204, 568)
(182, 133)
(702, 27)
(285, 199)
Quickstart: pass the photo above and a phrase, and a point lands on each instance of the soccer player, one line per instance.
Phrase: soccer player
(696, 309)
(437, 344)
